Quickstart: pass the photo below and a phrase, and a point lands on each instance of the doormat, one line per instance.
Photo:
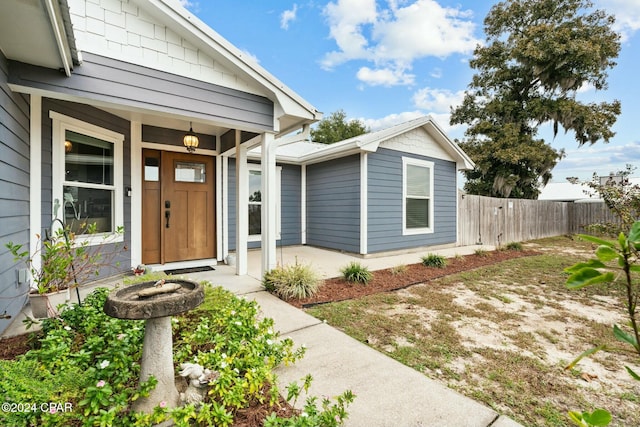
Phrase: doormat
(189, 270)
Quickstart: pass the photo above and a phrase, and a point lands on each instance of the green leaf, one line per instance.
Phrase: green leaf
(633, 374)
(622, 241)
(634, 234)
(599, 417)
(577, 418)
(606, 253)
(634, 267)
(586, 277)
(593, 263)
(624, 337)
(585, 354)
(597, 240)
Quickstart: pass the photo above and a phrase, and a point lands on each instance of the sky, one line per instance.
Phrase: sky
(389, 61)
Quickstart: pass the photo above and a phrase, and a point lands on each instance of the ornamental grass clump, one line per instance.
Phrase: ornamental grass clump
(355, 272)
(434, 260)
(294, 281)
(514, 246)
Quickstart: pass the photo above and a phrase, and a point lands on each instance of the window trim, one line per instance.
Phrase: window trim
(257, 167)
(406, 161)
(62, 123)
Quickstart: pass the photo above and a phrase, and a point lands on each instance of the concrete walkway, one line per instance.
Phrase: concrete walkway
(388, 392)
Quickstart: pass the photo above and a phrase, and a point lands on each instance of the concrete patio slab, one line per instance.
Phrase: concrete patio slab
(287, 318)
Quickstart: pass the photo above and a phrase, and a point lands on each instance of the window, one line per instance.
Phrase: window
(255, 202)
(417, 192)
(87, 175)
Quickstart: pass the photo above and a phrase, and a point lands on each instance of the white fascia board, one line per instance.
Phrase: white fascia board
(60, 35)
(172, 12)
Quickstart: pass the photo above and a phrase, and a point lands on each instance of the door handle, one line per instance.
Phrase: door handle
(167, 215)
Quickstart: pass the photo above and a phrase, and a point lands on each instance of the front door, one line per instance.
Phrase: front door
(178, 212)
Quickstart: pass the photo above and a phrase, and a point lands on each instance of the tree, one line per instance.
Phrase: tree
(537, 56)
(336, 128)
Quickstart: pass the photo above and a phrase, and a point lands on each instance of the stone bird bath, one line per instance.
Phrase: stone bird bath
(156, 302)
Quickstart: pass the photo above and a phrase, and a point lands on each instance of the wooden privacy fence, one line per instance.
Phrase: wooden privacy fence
(493, 221)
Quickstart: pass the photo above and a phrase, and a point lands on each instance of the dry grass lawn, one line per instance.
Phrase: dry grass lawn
(503, 334)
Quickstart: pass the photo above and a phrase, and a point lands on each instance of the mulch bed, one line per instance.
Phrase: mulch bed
(337, 289)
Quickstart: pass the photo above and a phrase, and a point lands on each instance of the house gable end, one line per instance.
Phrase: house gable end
(123, 30)
(417, 141)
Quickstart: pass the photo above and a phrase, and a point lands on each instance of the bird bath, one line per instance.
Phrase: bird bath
(156, 302)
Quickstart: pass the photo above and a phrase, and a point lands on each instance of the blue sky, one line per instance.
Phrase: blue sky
(389, 61)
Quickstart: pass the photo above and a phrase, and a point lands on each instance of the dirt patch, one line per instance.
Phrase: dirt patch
(503, 331)
(338, 289)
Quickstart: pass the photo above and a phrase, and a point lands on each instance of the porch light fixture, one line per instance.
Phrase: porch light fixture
(190, 140)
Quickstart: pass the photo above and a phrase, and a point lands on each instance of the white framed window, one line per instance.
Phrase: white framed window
(255, 202)
(87, 177)
(417, 196)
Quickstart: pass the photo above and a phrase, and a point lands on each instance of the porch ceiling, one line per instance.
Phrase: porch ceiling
(34, 31)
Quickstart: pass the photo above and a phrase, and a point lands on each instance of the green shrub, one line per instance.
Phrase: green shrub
(434, 260)
(514, 246)
(292, 281)
(355, 272)
(90, 361)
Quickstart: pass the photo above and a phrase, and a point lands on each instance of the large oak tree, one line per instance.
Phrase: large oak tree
(537, 56)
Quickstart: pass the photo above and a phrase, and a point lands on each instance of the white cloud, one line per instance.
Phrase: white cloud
(288, 16)
(187, 3)
(436, 73)
(384, 76)
(437, 100)
(394, 37)
(602, 159)
(393, 119)
(627, 13)
(249, 55)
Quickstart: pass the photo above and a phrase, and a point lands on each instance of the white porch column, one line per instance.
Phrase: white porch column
(136, 193)
(242, 207)
(35, 175)
(269, 202)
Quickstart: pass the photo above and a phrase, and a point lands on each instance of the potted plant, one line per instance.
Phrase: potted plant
(65, 262)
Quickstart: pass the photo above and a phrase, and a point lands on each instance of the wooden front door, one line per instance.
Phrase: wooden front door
(178, 212)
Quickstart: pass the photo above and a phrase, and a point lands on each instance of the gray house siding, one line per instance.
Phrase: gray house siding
(95, 117)
(167, 136)
(333, 204)
(14, 193)
(291, 211)
(385, 203)
(122, 83)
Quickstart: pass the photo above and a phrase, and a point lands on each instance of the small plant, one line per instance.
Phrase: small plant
(434, 260)
(481, 252)
(292, 281)
(399, 269)
(514, 246)
(64, 261)
(355, 272)
(331, 414)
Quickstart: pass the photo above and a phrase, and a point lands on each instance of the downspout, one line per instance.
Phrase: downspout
(57, 25)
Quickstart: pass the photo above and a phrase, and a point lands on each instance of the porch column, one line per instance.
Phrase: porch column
(242, 207)
(269, 227)
(35, 178)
